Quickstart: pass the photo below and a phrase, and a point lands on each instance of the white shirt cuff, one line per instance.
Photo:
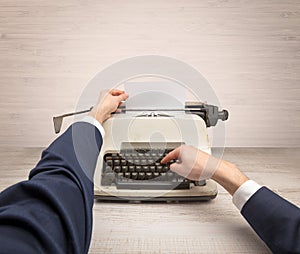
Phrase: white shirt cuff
(93, 121)
(244, 193)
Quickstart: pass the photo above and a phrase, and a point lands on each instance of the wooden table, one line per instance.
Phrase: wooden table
(204, 227)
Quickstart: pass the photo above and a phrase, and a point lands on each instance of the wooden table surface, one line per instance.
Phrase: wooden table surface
(203, 227)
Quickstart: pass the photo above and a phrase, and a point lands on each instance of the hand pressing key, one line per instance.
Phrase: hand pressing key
(197, 165)
(191, 163)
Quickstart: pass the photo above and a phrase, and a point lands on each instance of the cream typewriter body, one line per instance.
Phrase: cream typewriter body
(128, 166)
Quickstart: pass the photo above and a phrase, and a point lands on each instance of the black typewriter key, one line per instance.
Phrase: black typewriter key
(108, 157)
(123, 162)
(138, 169)
(156, 174)
(117, 169)
(130, 161)
(156, 164)
(159, 169)
(134, 175)
(141, 176)
(143, 162)
(152, 168)
(150, 161)
(165, 168)
(145, 168)
(131, 168)
(148, 175)
(127, 175)
(116, 162)
(124, 169)
(136, 162)
(109, 162)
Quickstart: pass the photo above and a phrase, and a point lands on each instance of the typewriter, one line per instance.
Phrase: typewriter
(129, 168)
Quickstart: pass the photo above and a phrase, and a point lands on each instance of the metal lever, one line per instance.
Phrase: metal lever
(57, 120)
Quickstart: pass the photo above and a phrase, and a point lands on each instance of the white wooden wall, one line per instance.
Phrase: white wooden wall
(249, 50)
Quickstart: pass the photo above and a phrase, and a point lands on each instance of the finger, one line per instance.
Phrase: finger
(116, 92)
(119, 100)
(171, 155)
(122, 97)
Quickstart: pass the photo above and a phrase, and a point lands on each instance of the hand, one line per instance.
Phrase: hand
(197, 165)
(108, 102)
(193, 163)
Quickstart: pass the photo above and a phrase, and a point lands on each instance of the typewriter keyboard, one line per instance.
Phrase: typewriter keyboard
(138, 166)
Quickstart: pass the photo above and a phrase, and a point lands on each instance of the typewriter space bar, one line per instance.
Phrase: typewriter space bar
(151, 185)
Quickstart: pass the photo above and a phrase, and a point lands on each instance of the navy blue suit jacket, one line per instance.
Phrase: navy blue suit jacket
(52, 211)
(275, 220)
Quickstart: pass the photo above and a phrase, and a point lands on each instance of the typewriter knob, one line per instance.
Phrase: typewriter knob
(223, 115)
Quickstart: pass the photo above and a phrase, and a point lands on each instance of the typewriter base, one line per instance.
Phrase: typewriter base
(195, 194)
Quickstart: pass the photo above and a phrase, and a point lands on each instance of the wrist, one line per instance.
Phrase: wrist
(98, 117)
(229, 176)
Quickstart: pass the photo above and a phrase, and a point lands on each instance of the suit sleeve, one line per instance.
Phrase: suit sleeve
(52, 211)
(275, 220)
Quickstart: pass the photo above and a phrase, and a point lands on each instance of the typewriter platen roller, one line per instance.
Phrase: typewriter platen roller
(209, 113)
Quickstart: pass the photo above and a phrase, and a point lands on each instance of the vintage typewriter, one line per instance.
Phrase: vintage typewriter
(129, 167)
(133, 171)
